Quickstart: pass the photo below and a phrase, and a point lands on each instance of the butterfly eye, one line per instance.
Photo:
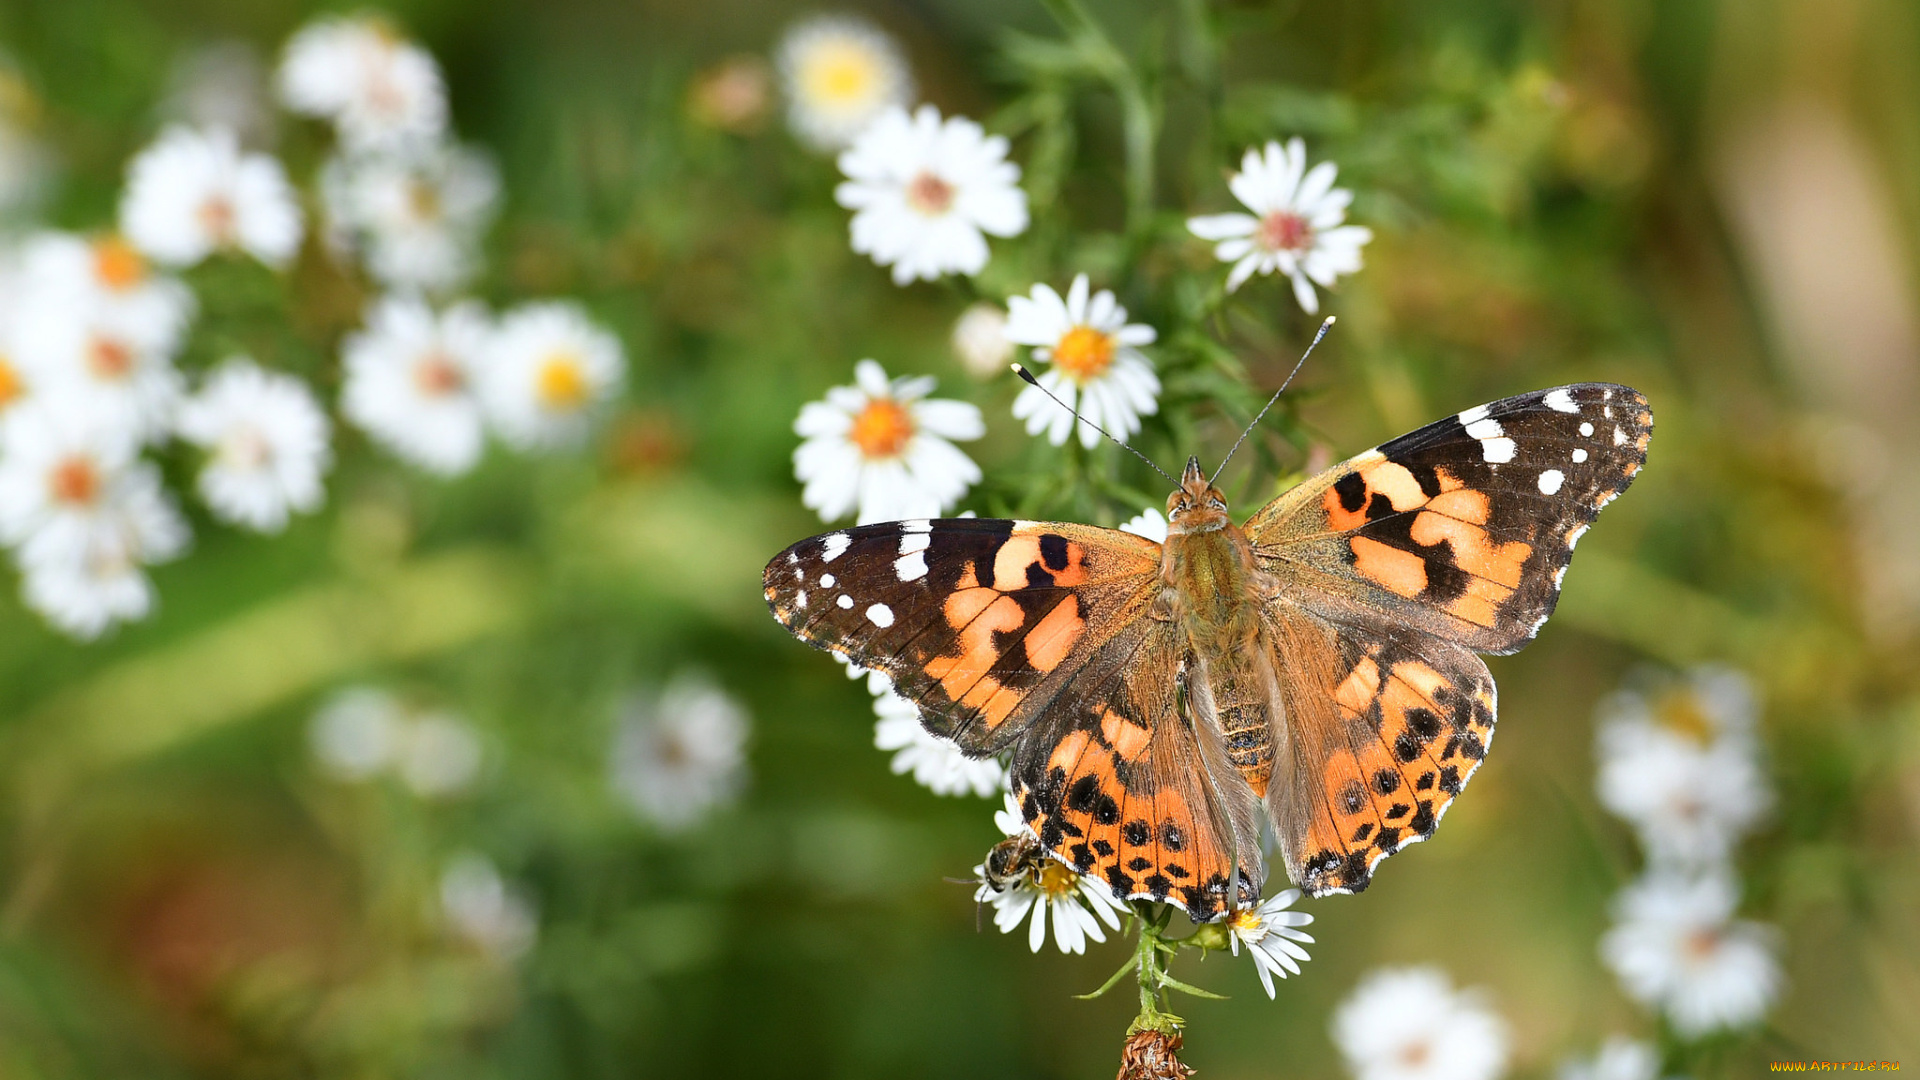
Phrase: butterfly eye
(1216, 504)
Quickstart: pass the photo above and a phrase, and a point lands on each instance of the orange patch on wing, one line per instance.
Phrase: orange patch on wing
(1054, 635)
(1474, 549)
(1395, 570)
(980, 613)
(1396, 483)
(1360, 686)
(1021, 551)
(1128, 739)
(1480, 604)
(1470, 506)
(1067, 755)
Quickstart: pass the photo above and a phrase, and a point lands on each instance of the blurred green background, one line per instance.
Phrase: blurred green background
(1717, 202)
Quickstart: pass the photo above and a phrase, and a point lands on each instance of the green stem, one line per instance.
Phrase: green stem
(1139, 119)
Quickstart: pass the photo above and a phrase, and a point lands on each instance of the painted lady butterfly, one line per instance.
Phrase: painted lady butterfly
(1318, 661)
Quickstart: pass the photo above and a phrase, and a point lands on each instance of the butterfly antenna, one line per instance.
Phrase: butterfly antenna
(1035, 383)
(1324, 327)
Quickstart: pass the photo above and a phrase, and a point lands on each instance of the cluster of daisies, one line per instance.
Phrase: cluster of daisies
(91, 327)
(927, 193)
(677, 755)
(1680, 762)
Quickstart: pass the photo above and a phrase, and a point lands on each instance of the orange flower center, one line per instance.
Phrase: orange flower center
(109, 358)
(74, 480)
(1701, 945)
(1284, 230)
(216, 216)
(930, 195)
(12, 389)
(882, 429)
(436, 375)
(562, 384)
(116, 263)
(1083, 353)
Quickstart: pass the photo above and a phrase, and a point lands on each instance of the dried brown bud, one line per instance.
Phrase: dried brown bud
(1152, 1055)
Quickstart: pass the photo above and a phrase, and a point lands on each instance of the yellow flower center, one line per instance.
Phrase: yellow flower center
(12, 387)
(75, 481)
(562, 383)
(423, 200)
(882, 429)
(840, 73)
(116, 264)
(930, 195)
(436, 375)
(1679, 712)
(1083, 353)
(110, 359)
(1057, 879)
(1246, 924)
(1284, 230)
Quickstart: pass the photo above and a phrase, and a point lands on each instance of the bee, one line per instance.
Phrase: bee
(1011, 861)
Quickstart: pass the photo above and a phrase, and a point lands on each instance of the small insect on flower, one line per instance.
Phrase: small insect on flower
(839, 73)
(410, 381)
(379, 90)
(1295, 225)
(883, 449)
(1272, 936)
(266, 439)
(924, 191)
(1411, 1024)
(680, 754)
(193, 193)
(417, 214)
(1676, 947)
(1046, 886)
(549, 370)
(937, 764)
(1094, 363)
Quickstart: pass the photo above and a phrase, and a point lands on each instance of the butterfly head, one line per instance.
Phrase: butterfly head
(1198, 506)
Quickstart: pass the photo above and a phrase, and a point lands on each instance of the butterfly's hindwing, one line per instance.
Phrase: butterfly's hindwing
(1465, 527)
(968, 616)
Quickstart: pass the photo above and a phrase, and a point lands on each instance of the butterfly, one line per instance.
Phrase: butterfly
(1315, 666)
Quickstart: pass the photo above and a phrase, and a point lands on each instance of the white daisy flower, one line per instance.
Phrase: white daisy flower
(418, 214)
(193, 193)
(1094, 358)
(839, 73)
(1295, 227)
(379, 90)
(1689, 803)
(1073, 899)
(66, 471)
(923, 191)
(882, 448)
(101, 271)
(1270, 935)
(436, 753)
(937, 764)
(1619, 1058)
(1708, 703)
(483, 909)
(681, 753)
(980, 341)
(267, 443)
(410, 381)
(1411, 1024)
(1676, 947)
(548, 370)
(84, 592)
(355, 735)
(1149, 523)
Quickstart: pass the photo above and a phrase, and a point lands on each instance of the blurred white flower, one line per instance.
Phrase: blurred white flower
(418, 214)
(1676, 947)
(1072, 898)
(980, 340)
(267, 443)
(679, 754)
(379, 90)
(410, 381)
(1094, 358)
(923, 191)
(1411, 1024)
(356, 733)
(437, 754)
(937, 764)
(839, 73)
(193, 193)
(1270, 933)
(1619, 1058)
(482, 908)
(548, 369)
(1149, 523)
(1295, 227)
(881, 447)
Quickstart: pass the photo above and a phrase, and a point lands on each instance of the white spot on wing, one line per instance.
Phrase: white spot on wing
(1619, 437)
(912, 542)
(800, 599)
(826, 581)
(1574, 534)
(916, 525)
(1551, 480)
(844, 601)
(1586, 428)
(834, 545)
(793, 557)
(1485, 429)
(1474, 415)
(1496, 451)
(911, 566)
(1560, 401)
(880, 615)
(1579, 455)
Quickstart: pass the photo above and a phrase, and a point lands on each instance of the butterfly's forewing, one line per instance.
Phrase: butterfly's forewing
(1464, 528)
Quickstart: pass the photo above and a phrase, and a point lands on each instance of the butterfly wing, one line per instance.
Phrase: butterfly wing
(1464, 528)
